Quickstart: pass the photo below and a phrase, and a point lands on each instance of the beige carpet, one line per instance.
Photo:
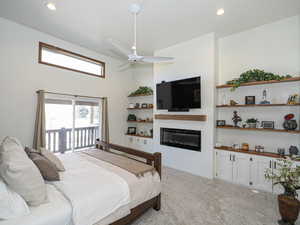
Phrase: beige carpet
(192, 200)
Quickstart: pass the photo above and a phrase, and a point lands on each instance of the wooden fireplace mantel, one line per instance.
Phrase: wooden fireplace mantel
(181, 117)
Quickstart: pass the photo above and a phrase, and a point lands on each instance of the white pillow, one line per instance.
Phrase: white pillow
(20, 173)
(12, 205)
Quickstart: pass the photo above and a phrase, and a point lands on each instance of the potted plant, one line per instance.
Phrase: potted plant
(252, 123)
(255, 75)
(288, 176)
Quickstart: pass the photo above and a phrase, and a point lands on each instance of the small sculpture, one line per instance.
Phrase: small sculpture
(264, 98)
(236, 119)
(289, 123)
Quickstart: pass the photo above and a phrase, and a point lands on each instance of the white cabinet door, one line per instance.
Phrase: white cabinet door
(258, 173)
(241, 169)
(224, 166)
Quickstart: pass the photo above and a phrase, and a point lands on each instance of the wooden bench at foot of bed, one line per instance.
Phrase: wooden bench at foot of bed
(150, 159)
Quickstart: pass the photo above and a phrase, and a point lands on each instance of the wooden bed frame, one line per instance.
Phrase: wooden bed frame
(150, 159)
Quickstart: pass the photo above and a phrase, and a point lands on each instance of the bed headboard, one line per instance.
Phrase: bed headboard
(151, 159)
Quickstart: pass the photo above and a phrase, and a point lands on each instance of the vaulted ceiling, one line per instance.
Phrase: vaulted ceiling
(161, 24)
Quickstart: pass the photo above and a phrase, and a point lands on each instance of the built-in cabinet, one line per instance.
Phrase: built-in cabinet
(247, 167)
(232, 167)
(244, 169)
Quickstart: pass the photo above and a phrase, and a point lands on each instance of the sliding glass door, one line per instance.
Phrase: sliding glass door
(87, 121)
(71, 123)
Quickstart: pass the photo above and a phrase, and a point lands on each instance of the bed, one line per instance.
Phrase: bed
(75, 199)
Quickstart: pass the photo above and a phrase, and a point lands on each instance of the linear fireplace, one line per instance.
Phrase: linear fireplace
(180, 138)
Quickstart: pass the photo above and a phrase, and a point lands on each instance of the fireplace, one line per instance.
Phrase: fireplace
(180, 138)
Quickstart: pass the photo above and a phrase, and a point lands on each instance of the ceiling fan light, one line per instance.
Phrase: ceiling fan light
(220, 12)
(51, 6)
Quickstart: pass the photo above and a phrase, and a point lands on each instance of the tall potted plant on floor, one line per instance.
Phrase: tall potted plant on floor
(288, 176)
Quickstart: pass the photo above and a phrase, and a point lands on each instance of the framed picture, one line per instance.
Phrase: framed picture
(221, 122)
(250, 100)
(144, 106)
(267, 124)
(131, 130)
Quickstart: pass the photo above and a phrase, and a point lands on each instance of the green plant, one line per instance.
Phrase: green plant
(255, 75)
(287, 175)
(252, 120)
(142, 91)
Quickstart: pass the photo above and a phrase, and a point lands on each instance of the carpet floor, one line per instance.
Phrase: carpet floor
(193, 200)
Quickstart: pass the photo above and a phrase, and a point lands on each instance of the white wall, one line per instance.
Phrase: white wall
(21, 76)
(274, 48)
(192, 58)
(143, 75)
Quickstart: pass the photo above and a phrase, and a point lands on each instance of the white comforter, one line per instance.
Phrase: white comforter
(93, 191)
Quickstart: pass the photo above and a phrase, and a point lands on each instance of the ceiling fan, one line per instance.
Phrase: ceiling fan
(132, 54)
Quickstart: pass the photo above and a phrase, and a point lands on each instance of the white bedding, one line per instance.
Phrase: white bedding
(93, 192)
(57, 211)
(141, 189)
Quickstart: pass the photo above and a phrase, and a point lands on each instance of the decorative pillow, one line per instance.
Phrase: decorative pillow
(47, 169)
(30, 150)
(53, 158)
(20, 173)
(12, 205)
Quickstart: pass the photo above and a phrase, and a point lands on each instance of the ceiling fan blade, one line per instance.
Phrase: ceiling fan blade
(118, 46)
(157, 59)
(125, 66)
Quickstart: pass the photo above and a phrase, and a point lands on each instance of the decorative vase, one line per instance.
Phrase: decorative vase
(293, 150)
(290, 124)
(288, 208)
(252, 125)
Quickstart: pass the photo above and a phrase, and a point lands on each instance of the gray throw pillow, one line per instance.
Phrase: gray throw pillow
(53, 158)
(47, 169)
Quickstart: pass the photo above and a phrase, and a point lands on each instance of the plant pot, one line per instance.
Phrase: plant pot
(288, 208)
(252, 125)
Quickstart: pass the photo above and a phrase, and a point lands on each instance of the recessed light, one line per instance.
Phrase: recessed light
(51, 6)
(220, 12)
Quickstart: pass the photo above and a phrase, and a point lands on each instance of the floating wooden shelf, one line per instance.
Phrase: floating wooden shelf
(138, 135)
(141, 95)
(129, 121)
(140, 108)
(293, 79)
(261, 129)
(258, 105)
(252, 152)
(181, 117)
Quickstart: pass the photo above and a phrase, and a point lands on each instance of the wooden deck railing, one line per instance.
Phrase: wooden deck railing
(60, 140)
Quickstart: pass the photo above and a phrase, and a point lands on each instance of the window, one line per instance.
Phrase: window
(54, 56)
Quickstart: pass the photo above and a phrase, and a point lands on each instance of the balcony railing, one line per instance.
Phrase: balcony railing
(60, 140)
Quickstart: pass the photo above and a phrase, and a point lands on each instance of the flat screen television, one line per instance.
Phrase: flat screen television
(179, 95)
